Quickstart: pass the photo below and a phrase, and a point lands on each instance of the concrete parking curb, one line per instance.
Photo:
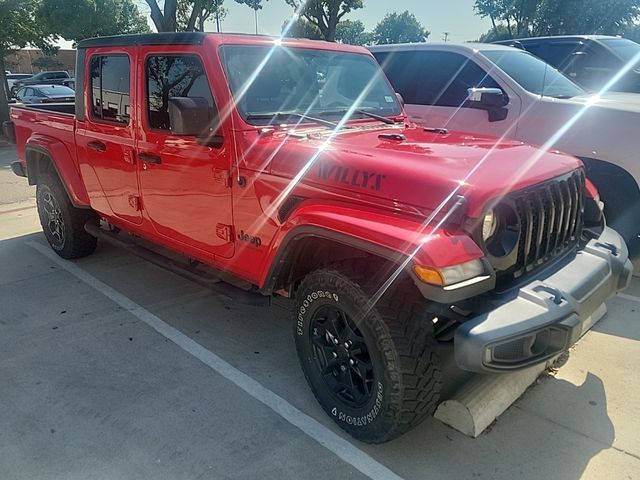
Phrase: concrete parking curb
(485, 397)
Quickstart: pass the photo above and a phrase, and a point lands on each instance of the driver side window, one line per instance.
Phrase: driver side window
(171, 76)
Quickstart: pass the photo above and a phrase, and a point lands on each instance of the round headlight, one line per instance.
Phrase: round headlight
(489, 225)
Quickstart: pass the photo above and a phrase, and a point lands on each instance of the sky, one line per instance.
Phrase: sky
(437, 16)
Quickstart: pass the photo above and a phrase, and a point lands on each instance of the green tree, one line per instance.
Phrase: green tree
(301, 28)
(518, 15)
(632, 32)
(255, 5)
(522, 18)
(325, 14)
(47, 62)
(191, 16)
(566, 17)
(499, 32)
(399, 28)
(353, 32)
(18, 29)
(91, 18)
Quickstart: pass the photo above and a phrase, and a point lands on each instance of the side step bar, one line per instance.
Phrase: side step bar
(209, 280)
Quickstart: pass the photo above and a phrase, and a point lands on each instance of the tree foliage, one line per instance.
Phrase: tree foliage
(522, 18)
(301, 28)
(399, 28)
(91, 18)
(47, 62)
(191, 16)
(325, 14)
(184, 15)
(353, 32)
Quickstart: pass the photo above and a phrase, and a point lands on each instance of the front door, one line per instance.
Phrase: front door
(185, 186)
(105, 139)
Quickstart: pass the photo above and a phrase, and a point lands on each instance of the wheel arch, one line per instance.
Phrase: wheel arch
(307, 248)
(614, 181)
(54, 158)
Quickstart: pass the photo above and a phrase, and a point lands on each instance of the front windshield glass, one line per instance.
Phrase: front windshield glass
(266, 81)
(533, 74)
(626, 49)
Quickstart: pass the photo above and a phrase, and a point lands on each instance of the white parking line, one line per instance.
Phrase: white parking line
(629, 297)
(314, 429)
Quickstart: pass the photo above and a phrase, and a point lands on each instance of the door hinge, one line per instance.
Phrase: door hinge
(135, 202)
(222, 176)
(225, 232)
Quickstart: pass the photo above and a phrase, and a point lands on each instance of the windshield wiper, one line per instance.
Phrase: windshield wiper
(301, 116)
(365, 113)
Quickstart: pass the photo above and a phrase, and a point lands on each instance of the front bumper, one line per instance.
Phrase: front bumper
(548, 315)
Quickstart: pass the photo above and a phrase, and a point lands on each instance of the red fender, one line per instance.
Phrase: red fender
(64, 163)
(374, 231)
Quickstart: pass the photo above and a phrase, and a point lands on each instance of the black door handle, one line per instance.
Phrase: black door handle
(147, 157)
(97, 146)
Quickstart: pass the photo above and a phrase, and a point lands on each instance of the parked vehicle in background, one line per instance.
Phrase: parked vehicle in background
(503, 91)
(12, 78)
(43, 78)
(70, 82)
(45, 94)
(312, 186)
(592, 61)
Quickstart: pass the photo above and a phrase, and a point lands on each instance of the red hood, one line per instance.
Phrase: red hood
(419, 168)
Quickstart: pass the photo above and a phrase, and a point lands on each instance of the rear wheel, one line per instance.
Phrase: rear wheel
(371, 368)
(62, 223)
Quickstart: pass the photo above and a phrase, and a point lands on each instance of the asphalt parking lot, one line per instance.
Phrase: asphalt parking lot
(113, 368)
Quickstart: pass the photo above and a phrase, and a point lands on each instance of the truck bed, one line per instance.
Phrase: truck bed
(52, 122)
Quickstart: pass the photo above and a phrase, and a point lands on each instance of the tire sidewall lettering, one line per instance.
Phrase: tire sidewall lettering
(307, 303)
(361, 420)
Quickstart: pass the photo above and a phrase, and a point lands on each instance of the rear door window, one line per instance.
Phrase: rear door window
(174, 76)
(110, 88)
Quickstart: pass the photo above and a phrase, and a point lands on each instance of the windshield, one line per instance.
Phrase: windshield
(56, 90)
(266, 81)
(626, 49)
(533, 74)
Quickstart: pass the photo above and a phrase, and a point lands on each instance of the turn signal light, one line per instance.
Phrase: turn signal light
(449, 275)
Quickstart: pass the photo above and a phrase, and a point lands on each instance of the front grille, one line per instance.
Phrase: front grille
(551, 218)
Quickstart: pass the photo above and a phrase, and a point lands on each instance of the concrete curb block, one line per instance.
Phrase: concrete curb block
(485, 397)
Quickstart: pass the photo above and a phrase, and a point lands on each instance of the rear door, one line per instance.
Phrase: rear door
(185, 187)
(105, 139)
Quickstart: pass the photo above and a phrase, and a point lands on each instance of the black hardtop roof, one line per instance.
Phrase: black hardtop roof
(180, 38)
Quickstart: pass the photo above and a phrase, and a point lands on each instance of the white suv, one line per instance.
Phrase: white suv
(503, 91)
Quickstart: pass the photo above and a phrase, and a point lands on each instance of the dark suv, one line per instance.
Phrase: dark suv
(590, 60)
(43, 78)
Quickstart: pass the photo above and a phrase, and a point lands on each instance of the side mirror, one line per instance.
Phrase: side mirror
(493, 100)
(191, 116)
(400, 99)
(488, 97)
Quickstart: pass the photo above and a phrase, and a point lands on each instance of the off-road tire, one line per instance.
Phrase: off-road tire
(62, 223)
(398, 333)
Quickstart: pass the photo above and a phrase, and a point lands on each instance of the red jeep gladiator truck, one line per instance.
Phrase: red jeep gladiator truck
(288, 167)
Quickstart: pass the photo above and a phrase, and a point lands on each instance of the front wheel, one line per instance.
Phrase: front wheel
(371, 368)
(62, 223)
